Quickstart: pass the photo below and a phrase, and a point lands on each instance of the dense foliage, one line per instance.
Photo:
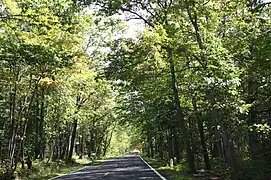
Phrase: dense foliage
(54, 99)
(194, 86)
(197, 82)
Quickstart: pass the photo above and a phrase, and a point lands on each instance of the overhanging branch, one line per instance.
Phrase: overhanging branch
(138, 15)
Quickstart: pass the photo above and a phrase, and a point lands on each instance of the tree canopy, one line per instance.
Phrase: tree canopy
(193, 86)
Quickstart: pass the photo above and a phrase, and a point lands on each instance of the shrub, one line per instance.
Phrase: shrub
(252, 169)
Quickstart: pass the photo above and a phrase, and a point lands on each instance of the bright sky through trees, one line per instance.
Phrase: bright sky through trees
(183, 81)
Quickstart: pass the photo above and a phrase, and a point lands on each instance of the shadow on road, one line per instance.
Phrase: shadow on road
(129, 167)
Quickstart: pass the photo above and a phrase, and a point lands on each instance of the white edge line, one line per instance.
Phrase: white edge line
(162, 177)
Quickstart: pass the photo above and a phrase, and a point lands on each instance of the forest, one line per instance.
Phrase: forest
(192, 84)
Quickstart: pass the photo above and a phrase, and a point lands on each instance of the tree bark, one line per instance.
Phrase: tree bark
(217, 147)
(72, 140)
(81, 148)
(37, 128)
(150, 145)
(41, 131)
(108, 141)
(160, 147)
(202, 138)
(169, 143)
(230, 154)
(26, 124)
(176, 146)
(13, 92)
(179, 116)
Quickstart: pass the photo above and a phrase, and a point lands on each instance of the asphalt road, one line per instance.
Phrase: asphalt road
(129, 167)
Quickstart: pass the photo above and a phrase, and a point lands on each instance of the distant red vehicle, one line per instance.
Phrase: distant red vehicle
(136, 151)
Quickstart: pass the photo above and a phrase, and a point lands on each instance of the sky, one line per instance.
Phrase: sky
(135, 26)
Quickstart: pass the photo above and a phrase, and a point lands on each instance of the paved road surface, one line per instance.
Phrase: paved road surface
(129, 167)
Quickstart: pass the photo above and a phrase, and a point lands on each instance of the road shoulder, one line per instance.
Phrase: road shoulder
(176, 173)
(153, 169)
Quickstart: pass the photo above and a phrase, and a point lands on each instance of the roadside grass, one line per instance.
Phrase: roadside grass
(178, 172)
(42, 170)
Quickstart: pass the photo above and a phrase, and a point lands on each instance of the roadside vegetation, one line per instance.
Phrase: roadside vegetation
(192, 86)
(177, 172)
(43, 170)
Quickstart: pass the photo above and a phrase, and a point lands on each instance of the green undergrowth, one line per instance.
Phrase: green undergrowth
(43, 170)
(178, 172)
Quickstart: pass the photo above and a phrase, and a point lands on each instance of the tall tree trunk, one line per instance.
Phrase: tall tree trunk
(160, 147)
(150, 145)
(65, 139)
(90, 146)
(191, 126)
(13, 92)
(41, 131)
(12, 141)
(81, 148)
(108, 141)
(22, 153)
(57, 139)
(72, 140)
(180, 120)
(37, 128)
(58, 129)
(202, 138)
(230, 154)
(169, 143)
(217, 147)
(26, 124)
(190, 157)
(177, 150)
